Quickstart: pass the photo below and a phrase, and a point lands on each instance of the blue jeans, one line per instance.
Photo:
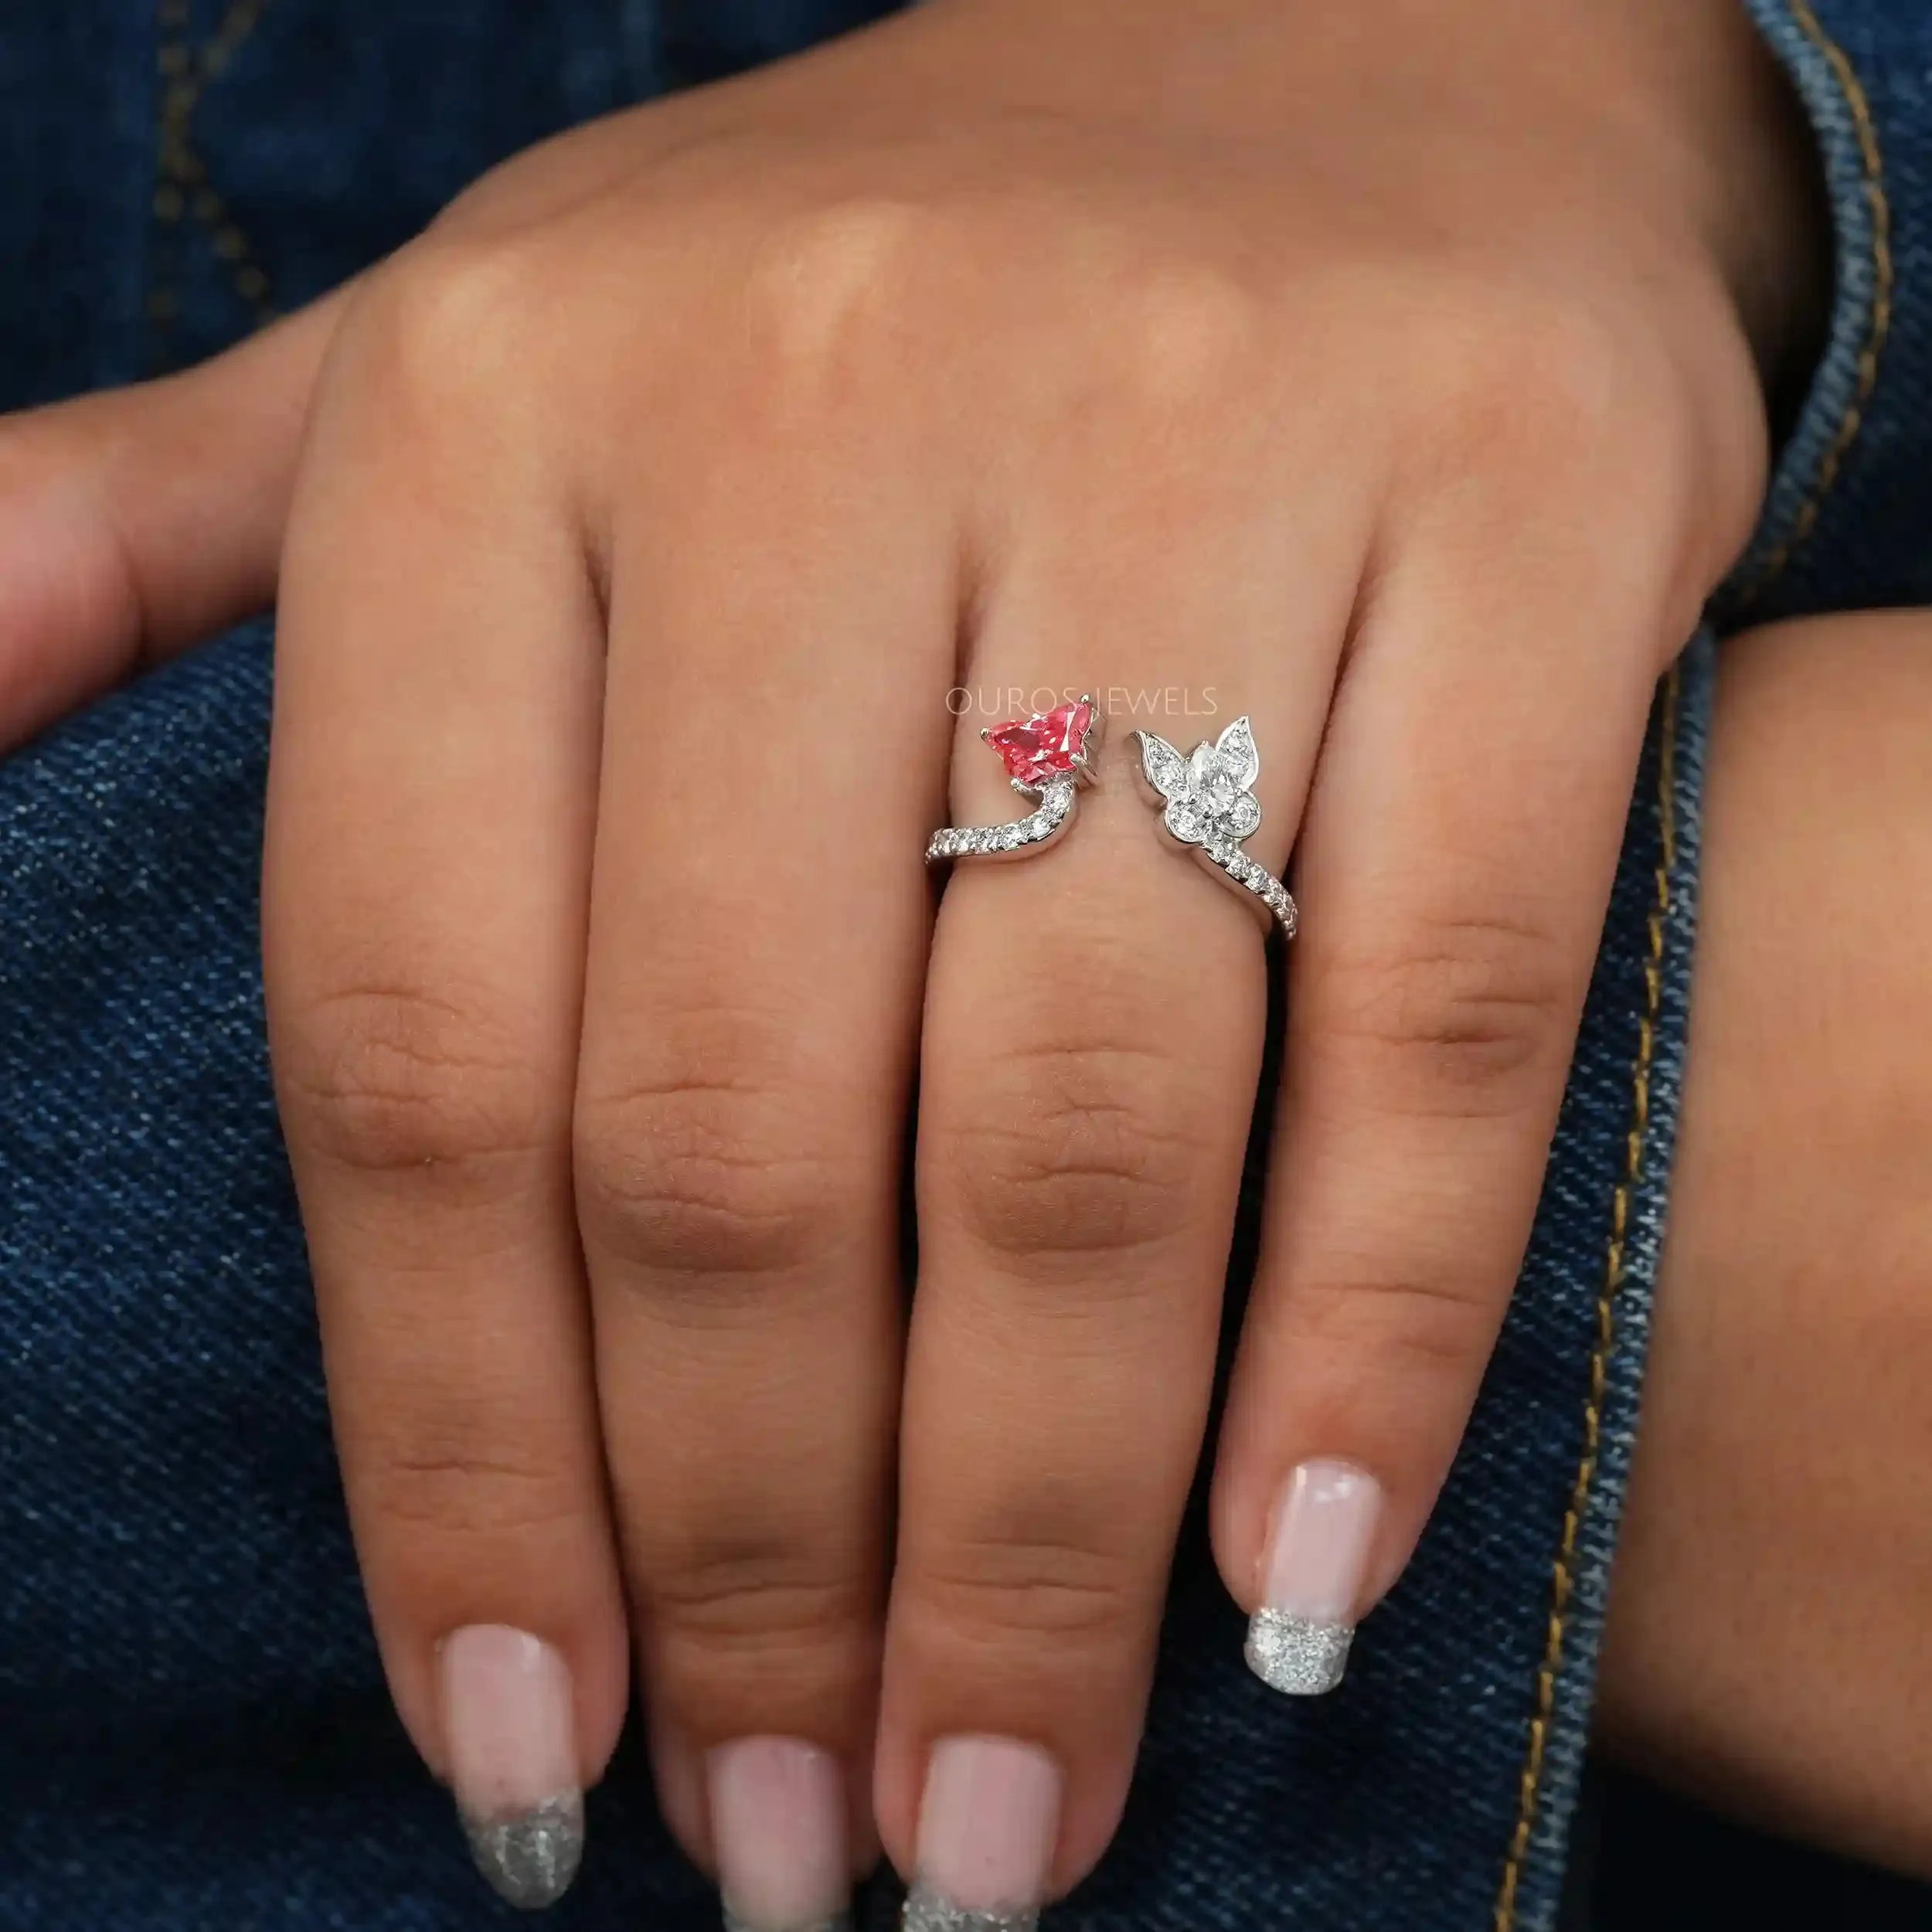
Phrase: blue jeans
(193, 1728)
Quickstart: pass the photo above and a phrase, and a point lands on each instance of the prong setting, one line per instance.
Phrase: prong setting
(1208, 809)
(1049, 757)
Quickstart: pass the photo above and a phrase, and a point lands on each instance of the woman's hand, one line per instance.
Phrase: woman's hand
(1386, 373)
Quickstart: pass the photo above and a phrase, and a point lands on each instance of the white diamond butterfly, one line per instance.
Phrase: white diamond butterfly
(1208, 804)
(1209, 796)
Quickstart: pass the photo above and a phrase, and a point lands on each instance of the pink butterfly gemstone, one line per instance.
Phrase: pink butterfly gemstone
(1045, 746)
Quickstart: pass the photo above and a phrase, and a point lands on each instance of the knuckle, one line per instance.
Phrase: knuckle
(748, 1592)
(396, 1079)
(453, 317)
(1439, 1325)
(467, 1483)
(998, 1588)
(1187, 335)
(690, 1175)
(1513, 338)
(1465, 1011)
(745, 1625)
(828, 287)
(1548, 386)
(1089, 1149)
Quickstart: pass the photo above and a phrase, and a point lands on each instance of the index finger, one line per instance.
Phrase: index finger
(431, 798)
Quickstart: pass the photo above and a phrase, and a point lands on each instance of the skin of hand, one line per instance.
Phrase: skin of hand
(1394, 373)
(1766, 1649)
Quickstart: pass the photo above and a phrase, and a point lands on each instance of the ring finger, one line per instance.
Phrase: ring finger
(1093, 1038)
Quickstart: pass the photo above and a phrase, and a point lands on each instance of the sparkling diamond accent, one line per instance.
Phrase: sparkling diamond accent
(1290, 1655)
(530, 1859)
(1207, 805)
(926, 1911)
(980, 841)
(1259, 880)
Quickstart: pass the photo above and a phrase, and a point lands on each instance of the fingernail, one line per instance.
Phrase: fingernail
(988, 1824)
(511, 1737)
(1317, 1561)
(778, 1826)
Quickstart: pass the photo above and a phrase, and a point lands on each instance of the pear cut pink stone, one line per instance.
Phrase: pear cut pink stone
(1045, 746)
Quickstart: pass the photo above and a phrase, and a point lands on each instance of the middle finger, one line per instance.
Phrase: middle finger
(758, 923)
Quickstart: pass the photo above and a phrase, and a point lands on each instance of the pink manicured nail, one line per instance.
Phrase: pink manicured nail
(1317, 1562)
(987, 1825)
(778, 1825)
(509, 1723)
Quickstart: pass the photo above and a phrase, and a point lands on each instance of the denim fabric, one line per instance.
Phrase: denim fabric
(1847, 524)
(1849, 517)
(193, 1732)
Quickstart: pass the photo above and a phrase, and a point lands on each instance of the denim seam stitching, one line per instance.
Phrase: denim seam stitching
(181, 186)
(1872, 163)
(1613, 1281)
(1830, 465)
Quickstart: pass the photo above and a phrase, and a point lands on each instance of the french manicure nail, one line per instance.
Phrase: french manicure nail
(988, 1824)
(512, 1738)
(1317, 1561)
(779, 1828)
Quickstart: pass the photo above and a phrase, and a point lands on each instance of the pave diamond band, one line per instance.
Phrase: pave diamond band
(1208, 807)
(1240, 870)
(1011, 840)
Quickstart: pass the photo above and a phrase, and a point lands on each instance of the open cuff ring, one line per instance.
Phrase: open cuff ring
(1049, 757)
(1208, 807)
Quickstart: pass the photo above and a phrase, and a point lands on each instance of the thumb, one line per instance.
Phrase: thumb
(136, 522)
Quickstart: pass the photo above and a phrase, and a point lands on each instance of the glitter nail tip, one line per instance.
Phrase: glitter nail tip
(927, 1911)
(1295, 1656)
(530, 1859)
(838, 1922)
